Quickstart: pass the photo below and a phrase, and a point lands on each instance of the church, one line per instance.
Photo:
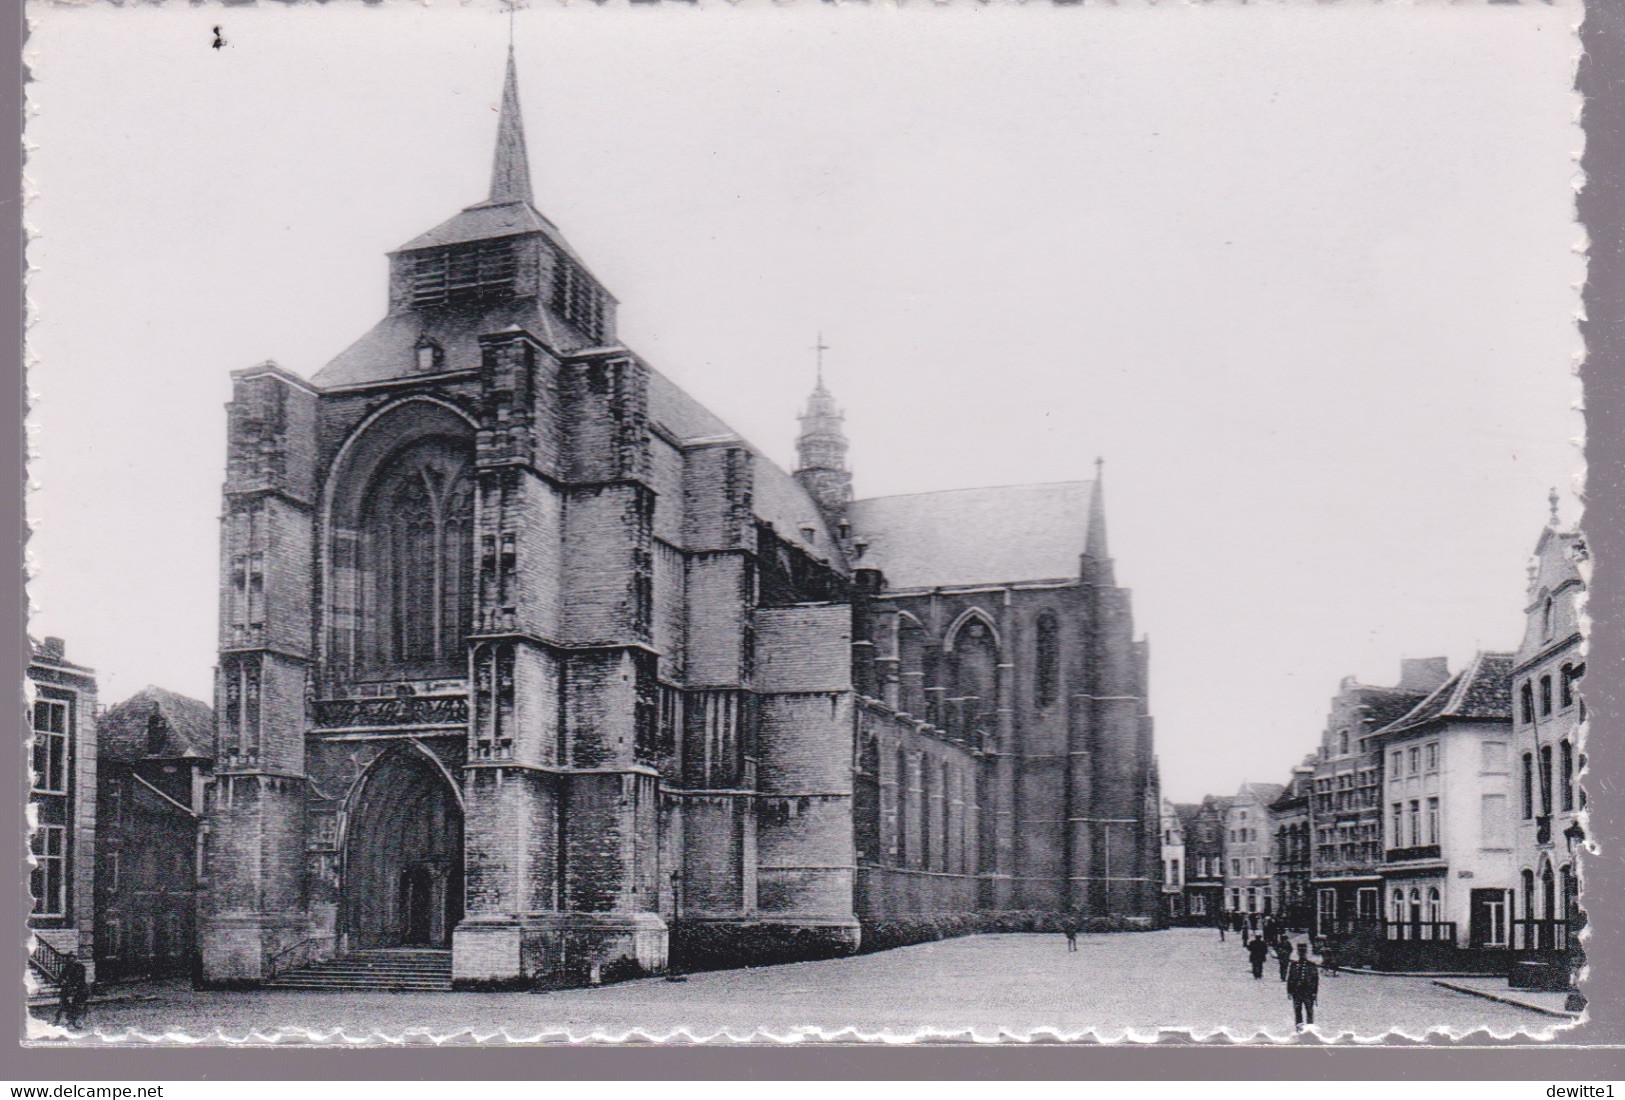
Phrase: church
(527, 658)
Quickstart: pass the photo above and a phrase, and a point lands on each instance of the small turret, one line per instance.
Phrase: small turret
(821, 451)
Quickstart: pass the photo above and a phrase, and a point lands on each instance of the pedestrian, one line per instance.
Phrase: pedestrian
(1272, 931)
(1303, 986)
(1257, 952)
(1283, 954)
(1070, 928)
(1331, 956)
(1221, 922)
(75, 993)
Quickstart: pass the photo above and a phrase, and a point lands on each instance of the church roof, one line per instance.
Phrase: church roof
(975, 536)
(489, 221)
(776, 497)
(1482, 690)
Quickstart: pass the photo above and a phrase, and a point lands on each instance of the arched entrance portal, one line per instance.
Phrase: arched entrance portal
(403, 856)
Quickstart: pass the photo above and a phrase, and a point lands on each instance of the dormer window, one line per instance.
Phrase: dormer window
(1546, 617)
(430, 357)
(465, 275)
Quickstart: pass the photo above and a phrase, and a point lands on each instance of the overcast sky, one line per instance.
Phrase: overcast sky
(1304, 275)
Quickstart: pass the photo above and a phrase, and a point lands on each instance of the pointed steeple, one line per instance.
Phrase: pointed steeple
(1095, 546)
(1097, 559)
(510, 167)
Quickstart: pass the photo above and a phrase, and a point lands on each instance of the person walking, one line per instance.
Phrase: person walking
(1070, 928)
(1257, 952)
(1221, 922)
(1331, 955)
(75, 993)
(1303, 986)
(1283, 954)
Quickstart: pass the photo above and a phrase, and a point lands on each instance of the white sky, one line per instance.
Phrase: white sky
(1304, 274)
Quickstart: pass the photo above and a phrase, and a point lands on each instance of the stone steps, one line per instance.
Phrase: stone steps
(384, 971)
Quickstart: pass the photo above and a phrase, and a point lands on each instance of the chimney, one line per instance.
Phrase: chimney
(53, 649)
(1423, 673)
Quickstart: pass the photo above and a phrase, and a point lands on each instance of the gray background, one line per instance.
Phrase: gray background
(1602, 74)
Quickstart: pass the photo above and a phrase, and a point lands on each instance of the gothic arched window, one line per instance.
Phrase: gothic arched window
(417, 560)
(1047, 678)
(975, 680)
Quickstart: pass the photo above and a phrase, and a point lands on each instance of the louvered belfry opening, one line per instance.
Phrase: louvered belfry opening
(471, 274)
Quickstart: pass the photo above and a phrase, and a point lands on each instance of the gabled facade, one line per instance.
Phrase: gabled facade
(1248, 850)
(62, 806)
(1205, 833)
(1173, 864)
(1548, 716)
(526, 655)
(1346, 808)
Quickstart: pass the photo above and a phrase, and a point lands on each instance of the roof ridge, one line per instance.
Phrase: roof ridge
(979, 489)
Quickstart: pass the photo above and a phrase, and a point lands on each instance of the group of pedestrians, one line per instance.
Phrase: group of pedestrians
(1264, 935)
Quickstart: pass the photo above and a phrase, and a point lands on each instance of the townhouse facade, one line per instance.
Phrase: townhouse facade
(1548, 720)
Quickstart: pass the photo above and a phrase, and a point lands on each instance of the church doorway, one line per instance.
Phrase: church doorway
(403, 856)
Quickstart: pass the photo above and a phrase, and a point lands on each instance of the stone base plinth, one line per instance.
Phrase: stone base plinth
(556, 950)
(243, 951)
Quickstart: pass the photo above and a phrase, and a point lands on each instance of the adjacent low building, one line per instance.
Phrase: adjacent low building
(62, 809)
(1247, 849)
(1294, 847)
(1448, 833)
(1174, 866)
(156, 756)
(1204, 857)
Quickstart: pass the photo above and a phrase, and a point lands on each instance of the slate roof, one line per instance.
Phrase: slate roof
(188, 726)
(1265, 793)
(975, 536)
(1187, 813)
(776, 496)
(1482, 690)
(1385, 705)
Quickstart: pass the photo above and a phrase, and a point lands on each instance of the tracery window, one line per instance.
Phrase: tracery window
(417, 558)
(975, 681)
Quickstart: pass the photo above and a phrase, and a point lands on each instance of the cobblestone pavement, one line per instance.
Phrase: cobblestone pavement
(1128, 986)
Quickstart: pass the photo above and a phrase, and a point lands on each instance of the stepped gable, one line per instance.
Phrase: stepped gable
(975, 536)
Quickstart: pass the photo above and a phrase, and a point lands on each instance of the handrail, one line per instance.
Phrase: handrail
(275, 964)
(48, 960)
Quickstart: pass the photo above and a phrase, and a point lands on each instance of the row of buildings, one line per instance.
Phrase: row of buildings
(525, 656)
(116, 807)
(1440, 818)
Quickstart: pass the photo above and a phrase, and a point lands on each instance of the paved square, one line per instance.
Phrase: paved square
(977, 987)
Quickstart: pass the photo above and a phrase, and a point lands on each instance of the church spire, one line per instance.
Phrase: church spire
(510, 168)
